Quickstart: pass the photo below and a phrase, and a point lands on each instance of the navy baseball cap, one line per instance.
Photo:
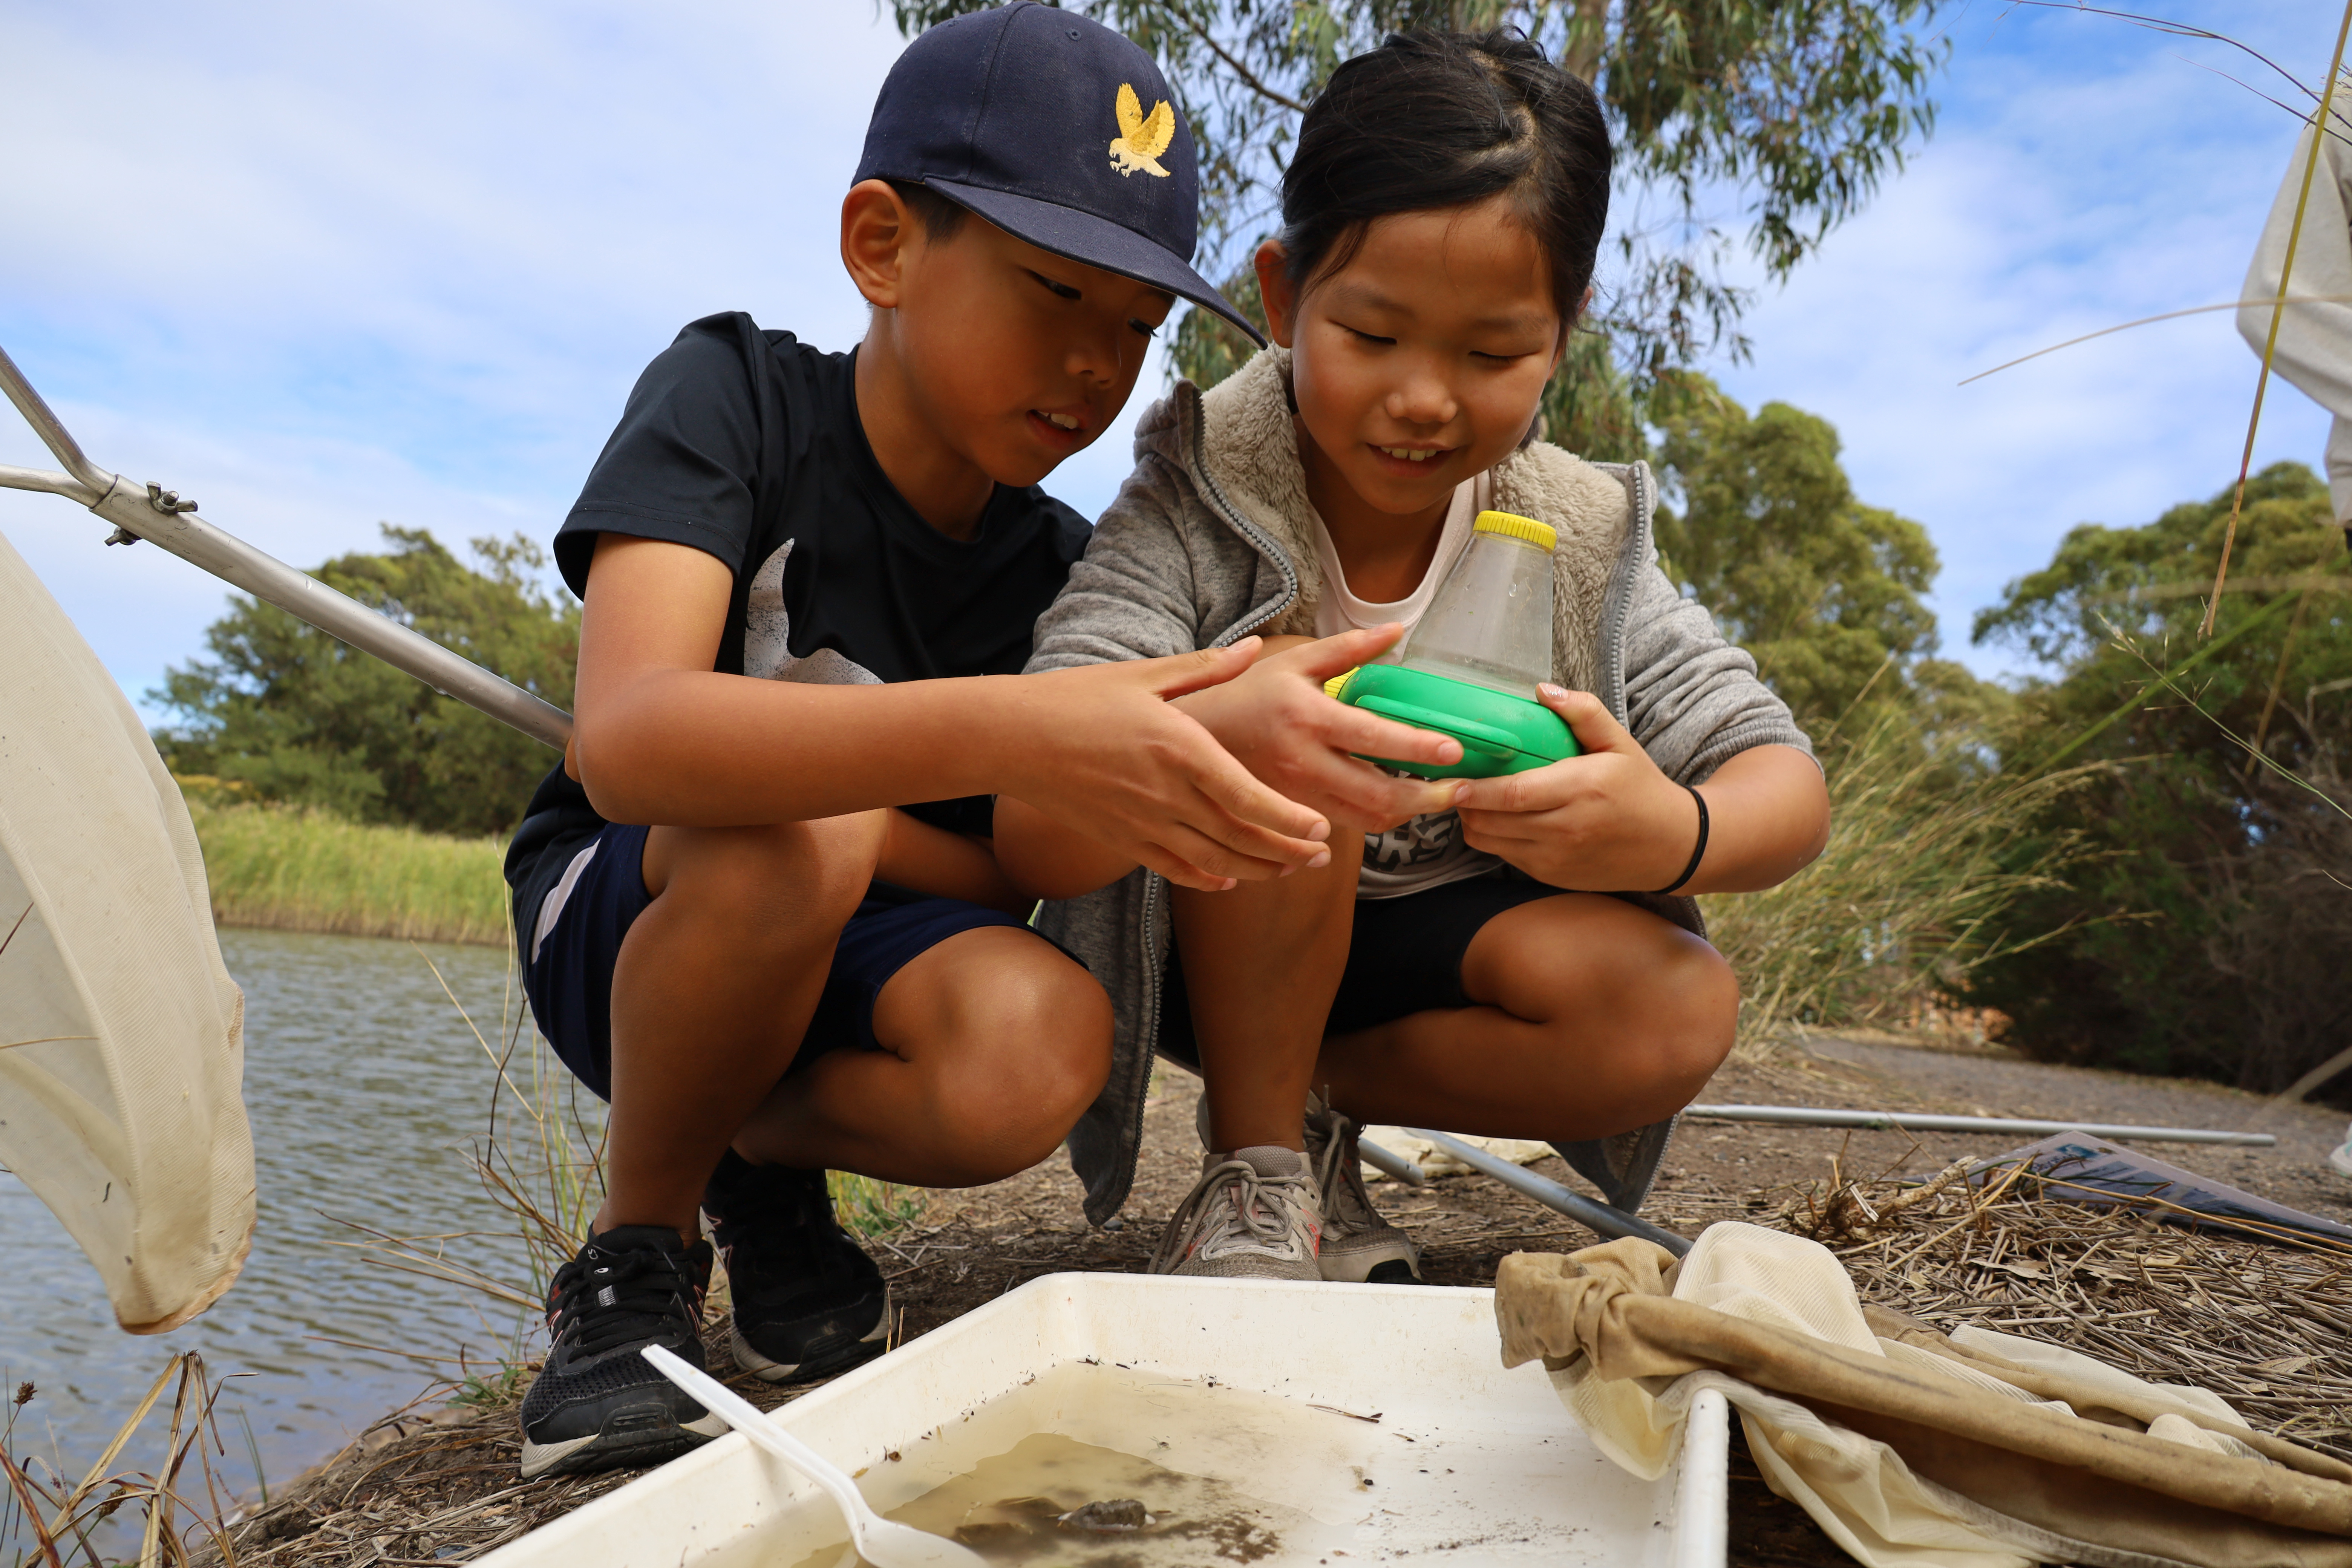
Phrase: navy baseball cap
(1057, 130)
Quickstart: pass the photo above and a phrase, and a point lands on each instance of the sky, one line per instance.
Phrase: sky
(323, 266)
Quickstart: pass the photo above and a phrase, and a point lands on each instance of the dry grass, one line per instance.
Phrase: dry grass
(540, 1158)
(47, 1517)
(1910, 894)
(2260, 1325)
(420, 1486)
(2263, 1325)
(434, 1482)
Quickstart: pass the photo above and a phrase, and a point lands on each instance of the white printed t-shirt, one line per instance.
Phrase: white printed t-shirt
(1428, 851)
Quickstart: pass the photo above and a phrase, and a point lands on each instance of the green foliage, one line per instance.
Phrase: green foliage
(1206, 348)
(870, 1208)
(2212, 935)
(300, 718)
(1590, 407)
(1824, 591)
(495, 1388)
(1789, 112)
(296, 869)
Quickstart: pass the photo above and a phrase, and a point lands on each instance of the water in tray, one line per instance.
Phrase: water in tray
(1006, 1489)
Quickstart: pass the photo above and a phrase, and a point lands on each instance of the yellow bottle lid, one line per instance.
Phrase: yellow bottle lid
(1542, 535)
(1331, 687)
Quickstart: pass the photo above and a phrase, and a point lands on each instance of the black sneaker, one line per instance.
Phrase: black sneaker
(598, 1405)
(808, 1302)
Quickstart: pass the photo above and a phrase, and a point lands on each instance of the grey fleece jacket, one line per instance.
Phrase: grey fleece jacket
(1210, 539)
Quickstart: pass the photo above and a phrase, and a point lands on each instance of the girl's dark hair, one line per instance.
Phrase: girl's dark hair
(1434, 120)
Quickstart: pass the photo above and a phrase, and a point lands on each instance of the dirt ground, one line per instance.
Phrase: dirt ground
(978, 1243)
(441, 1489)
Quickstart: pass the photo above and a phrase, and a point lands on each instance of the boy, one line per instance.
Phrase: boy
(783, 556)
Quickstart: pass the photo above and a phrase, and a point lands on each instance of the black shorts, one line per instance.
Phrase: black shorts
(572, 940)
(1405, 957)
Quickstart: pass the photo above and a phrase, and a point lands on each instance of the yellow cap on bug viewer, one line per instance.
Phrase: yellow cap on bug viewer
(1542, 535)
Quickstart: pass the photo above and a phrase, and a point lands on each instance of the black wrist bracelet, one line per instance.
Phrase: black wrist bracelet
(1697, 854)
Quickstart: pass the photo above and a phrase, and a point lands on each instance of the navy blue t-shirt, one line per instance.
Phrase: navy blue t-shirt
(747, 444)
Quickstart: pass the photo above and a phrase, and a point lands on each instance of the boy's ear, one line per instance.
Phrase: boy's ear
(877, 230)
(1273, 287)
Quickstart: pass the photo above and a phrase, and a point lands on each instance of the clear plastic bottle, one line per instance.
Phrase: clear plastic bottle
(1490, 622)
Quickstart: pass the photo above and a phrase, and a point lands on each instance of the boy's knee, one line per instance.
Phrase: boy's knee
(778, 878)
(1035, 1047)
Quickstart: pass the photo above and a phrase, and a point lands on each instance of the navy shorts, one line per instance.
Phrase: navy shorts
(571, 942)
(1404, 956)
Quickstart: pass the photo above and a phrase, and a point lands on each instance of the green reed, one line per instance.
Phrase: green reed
(292, 869)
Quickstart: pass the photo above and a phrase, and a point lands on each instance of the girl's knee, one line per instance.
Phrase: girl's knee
(1697, 1013)
(1674, 1003)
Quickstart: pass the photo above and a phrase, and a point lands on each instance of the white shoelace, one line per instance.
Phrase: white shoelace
(1262, 1214)
(1340, 1175)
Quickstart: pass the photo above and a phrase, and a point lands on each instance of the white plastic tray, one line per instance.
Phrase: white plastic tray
(1467, 1464)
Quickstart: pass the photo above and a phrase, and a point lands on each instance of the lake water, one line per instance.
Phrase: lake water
(367, 1091)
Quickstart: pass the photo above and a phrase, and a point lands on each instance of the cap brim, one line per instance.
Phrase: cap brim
(1096, 242)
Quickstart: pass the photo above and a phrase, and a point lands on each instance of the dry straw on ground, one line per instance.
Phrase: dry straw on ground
(2266, 1326)
(2262, 1325)
(54, 1517)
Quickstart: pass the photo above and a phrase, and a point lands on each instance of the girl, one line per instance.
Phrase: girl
(1516, 956)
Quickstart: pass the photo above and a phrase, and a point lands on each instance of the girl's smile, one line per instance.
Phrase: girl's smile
(1417, 363)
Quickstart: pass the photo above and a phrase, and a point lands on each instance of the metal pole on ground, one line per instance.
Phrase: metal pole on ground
(1393, 1165)
(1909, 1121)
(1584, 1211)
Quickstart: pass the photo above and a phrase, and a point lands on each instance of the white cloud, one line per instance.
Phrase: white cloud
(321, 267)
(2084, 174)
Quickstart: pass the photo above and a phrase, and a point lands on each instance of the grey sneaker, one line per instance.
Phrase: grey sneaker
(1252, 1216)
(1358, 1246)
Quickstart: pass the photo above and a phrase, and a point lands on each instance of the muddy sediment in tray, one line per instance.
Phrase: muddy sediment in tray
(1014, 1506)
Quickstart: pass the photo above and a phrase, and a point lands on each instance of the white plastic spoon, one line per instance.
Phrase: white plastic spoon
(879, 1540)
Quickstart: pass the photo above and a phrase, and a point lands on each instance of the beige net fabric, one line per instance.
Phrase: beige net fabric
(1910, 1448)
(121, 1050)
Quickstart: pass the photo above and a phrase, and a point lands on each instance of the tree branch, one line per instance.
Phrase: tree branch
(1588, 35)
(1249, 77)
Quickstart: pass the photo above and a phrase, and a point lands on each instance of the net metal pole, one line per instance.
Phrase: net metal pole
(160, 517)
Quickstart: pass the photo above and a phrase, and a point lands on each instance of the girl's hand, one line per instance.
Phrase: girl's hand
(1278, 722)
(1607, 821)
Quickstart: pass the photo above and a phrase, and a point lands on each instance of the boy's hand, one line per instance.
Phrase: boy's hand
(1277, 722)
(1106, 752)
(1609, 820)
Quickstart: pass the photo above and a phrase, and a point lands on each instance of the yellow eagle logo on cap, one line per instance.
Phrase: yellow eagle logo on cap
(1141, 137)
